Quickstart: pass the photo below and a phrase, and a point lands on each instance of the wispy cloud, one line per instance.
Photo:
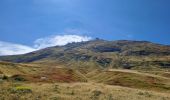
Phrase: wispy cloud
(59, 40)
(7, 48)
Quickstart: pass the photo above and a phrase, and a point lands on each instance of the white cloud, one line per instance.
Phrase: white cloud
(7, 48)
(59, 40)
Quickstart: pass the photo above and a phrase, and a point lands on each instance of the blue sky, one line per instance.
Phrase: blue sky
(25, 21)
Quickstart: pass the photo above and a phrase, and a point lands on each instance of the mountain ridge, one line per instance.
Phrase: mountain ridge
(101, 53)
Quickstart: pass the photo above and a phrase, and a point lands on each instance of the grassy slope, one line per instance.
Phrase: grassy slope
(62, 83)
(35, 73)
(131, 79)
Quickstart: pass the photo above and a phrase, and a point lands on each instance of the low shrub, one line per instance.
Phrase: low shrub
(19, 78)
(55, 98)
(110, 97)
(95, 94)
(147, 94)
(5, 77)
(56, 88)
(20, 89)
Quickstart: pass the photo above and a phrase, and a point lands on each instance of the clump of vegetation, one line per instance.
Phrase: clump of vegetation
(54, 98)
(147, 94)
(18, 78)
(56, 88)
(72, 92)
(110, 97)
(20, 89)
(95, 94)
(5, 77)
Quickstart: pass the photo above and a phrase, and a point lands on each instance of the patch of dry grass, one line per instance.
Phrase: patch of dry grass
(130, 78)
(61, 83)
(78, 91)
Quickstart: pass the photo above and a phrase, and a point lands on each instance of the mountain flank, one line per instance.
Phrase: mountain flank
(99, 53)
(92, 70)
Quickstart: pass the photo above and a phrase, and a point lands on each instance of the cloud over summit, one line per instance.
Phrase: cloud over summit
(59, 40)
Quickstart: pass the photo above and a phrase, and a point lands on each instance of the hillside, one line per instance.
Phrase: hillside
(36, 73)
(101, 54)
(93, 70)
(132, 79)
(31, 81)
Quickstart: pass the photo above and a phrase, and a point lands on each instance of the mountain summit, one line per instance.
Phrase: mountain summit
(101, 54)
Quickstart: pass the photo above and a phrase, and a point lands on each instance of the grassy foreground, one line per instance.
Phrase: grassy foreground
(75, 91)
(35, 82)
